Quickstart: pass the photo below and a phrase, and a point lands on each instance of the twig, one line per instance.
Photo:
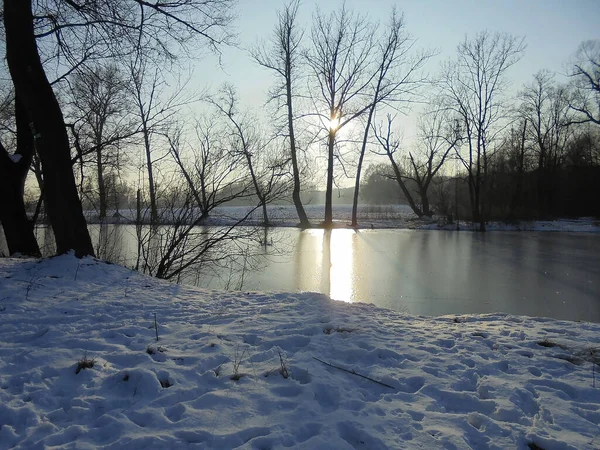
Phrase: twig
(353, 372)
(76, 271)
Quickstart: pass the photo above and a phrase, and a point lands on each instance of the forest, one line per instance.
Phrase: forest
(100, 114)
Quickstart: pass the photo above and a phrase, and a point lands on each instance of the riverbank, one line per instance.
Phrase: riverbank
(369, 217)
(81, 366)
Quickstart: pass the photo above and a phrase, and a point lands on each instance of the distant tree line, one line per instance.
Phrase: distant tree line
(101, 112)
(536, 155)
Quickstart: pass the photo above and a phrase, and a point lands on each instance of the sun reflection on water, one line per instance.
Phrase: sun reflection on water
(341, 265)
(332, 269)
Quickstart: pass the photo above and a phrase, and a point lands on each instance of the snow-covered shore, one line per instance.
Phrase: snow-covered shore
(369, 216)
(259, 370)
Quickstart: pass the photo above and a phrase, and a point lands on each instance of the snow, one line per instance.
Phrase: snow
(369, 216)
(216, 378)
(581, 225)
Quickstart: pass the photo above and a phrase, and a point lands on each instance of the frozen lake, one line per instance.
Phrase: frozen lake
(445, 272)
(427, 272)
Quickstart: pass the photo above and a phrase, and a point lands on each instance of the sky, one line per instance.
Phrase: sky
(553, 29)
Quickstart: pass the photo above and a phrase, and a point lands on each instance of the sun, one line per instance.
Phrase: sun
(334, 121)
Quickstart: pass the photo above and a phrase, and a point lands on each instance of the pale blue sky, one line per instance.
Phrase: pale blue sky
(553, 29)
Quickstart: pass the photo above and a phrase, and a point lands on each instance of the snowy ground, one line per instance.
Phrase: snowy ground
(250, 370)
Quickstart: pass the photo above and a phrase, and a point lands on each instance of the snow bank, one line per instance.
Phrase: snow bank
(275, 370)
(369, 216)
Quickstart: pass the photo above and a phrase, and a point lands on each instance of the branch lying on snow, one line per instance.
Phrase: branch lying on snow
(353, 372)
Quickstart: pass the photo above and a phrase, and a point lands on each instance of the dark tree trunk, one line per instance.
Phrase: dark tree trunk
(48, 128)
(425, 202)
(261, 198)
(328, 222)
(405, 191)
(18, 229)
(360, 163)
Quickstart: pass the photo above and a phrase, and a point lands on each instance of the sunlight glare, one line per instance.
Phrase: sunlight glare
(341, 270)
(334, 121)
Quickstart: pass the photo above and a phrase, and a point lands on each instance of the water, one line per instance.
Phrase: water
(445, 272)
(422, 272)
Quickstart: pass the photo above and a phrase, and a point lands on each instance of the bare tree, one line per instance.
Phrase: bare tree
(185, 248)
(545, 105)
(98, 106)
(47, 126)
(155, 111)
(517, 146)
(586, 75)
(473, 87)
(340, 61)
(396, 80)
(438, 136)
(545, 108)
(390, 145)
(78, 31)
(282, 58)
(247, 140)
(215, 175)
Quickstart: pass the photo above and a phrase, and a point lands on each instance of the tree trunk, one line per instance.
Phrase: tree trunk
(304, 222)
(48, 128)
(425, 202)
(261, 198)
(405, 191)
(360, 163)
(101, 186)
(151, 186)
(327, 223)
(18, 229)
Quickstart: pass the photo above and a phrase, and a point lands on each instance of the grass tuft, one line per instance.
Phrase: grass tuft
(330, 330)
(236, 362)
(84, 363)
(283, 370)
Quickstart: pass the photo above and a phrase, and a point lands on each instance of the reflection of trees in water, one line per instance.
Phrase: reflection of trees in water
(253, 253)
(215, 256)
(188, 254)
(45, 238)
(326, 263)
(202, 255)
(299, 252)
(108, 243)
